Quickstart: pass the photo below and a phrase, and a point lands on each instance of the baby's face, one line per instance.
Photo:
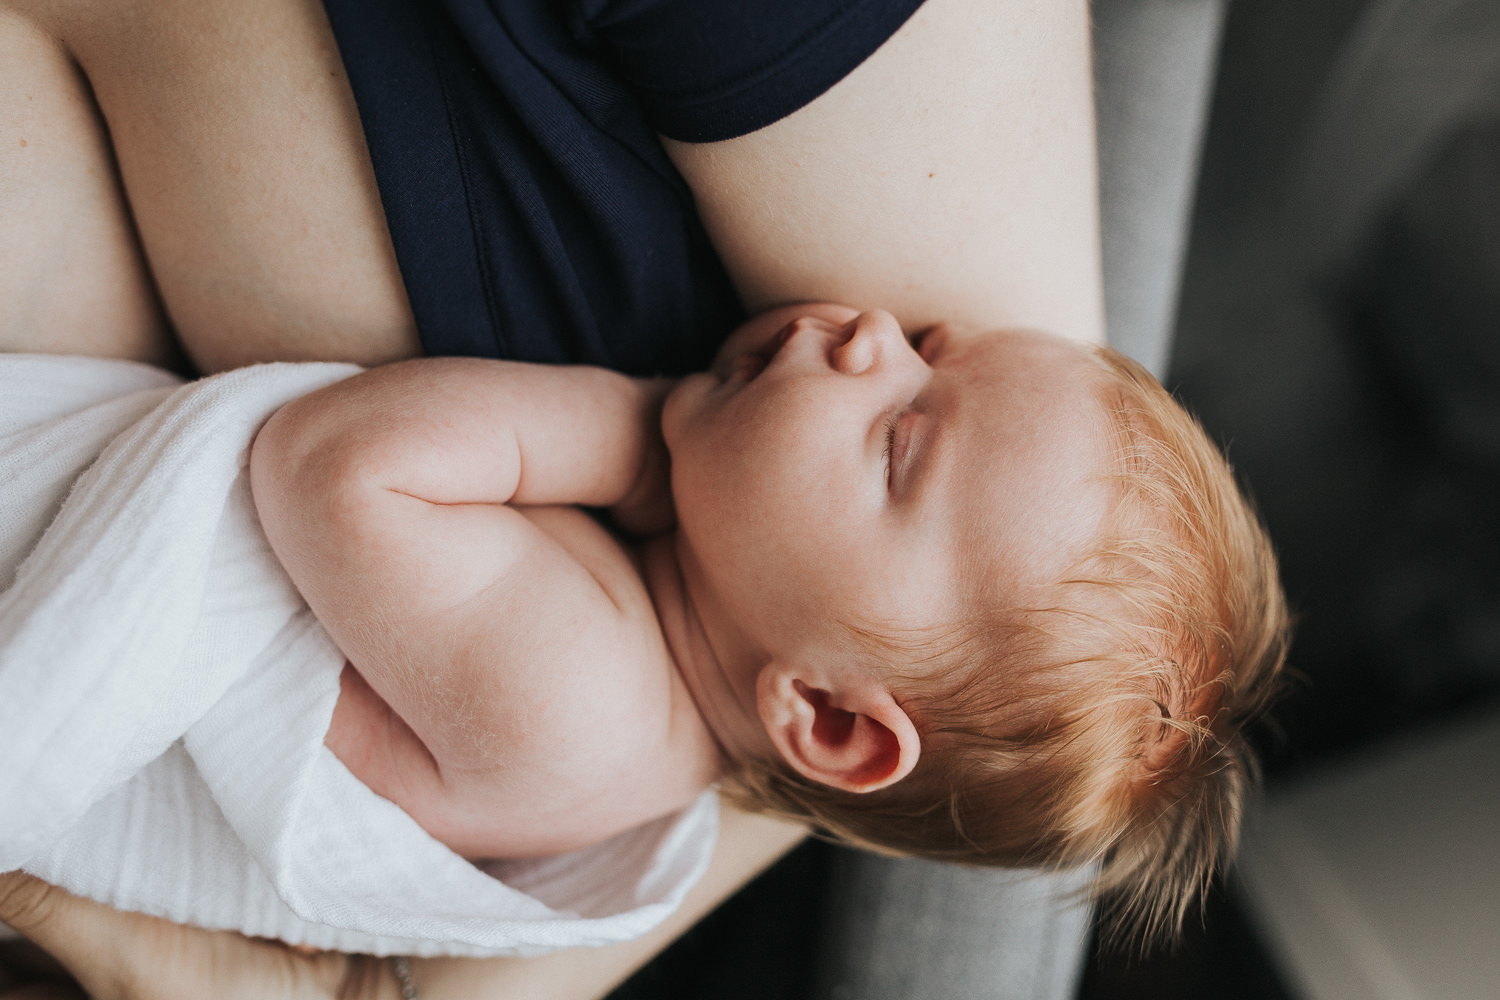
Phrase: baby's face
(830, 471)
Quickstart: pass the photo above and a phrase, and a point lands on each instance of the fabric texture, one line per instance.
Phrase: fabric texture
(534, 212)
(1154, 64)
(907, 927)
(164, 694)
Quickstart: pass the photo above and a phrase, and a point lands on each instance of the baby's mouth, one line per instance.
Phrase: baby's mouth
(748, 365)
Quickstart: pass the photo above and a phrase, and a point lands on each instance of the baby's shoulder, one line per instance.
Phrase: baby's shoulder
(580, 723)
(569, 650)
(556, 716)
(613, 563)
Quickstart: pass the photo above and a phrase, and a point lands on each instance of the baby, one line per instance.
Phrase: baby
(991, 599)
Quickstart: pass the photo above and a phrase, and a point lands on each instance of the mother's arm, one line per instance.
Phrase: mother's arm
(950, 177)
(747, 845)
(129, 956)
(241, 154)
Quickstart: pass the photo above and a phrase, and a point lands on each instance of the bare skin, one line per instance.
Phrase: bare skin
(225, 132)
(257, 208)
(72, 275)
(525, 684)
(242, 161)
(950, 178)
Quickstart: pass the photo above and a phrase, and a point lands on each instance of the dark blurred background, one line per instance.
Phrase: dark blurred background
(1339, 332)
(1357, 385)
(1355, 377)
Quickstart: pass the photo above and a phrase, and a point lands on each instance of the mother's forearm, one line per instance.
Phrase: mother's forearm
(243, 160)
(130, 956)
(748, 844)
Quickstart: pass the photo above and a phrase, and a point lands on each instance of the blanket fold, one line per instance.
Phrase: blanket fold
(164, 693)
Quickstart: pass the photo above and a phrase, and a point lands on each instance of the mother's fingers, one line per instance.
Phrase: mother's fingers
(116, 955)
(24, 900)
(27, 972)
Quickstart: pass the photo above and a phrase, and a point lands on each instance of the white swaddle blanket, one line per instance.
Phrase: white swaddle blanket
(164, 694)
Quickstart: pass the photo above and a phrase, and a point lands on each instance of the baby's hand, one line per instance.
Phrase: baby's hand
(647, 508)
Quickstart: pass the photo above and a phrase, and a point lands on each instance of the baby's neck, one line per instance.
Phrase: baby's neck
(713, 666)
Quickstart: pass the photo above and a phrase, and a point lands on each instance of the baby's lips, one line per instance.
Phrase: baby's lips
(726, 363)
(751, 362)
(747, 366)
(776, 343)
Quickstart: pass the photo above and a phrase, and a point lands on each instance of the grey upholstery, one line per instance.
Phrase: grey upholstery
(1154, 70)
(903, 929)
(1407, 75)
(906, 928)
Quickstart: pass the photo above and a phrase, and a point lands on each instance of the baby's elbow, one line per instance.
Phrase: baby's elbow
(296, 472)
(268, 462)
(280, 457)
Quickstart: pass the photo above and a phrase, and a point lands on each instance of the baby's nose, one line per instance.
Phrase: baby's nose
(865, 340)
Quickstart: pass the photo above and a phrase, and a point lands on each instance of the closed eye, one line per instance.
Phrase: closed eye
(891, 424)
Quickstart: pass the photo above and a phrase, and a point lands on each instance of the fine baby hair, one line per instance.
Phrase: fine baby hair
(1102, 722)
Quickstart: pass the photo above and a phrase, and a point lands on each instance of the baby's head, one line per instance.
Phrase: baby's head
(994, 599)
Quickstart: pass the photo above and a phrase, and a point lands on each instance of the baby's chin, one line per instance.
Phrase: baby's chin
(683, 403)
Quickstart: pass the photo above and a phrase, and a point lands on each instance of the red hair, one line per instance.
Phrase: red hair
(1104, 722)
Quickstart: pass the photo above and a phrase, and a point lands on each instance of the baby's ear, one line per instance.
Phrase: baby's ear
(847, 732)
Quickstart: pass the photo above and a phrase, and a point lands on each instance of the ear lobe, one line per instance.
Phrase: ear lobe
(854, 737)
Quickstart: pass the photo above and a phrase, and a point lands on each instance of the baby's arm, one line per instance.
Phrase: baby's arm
(466, 430)
(409, 504)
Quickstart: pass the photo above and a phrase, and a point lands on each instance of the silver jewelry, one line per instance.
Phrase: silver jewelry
(401, 966)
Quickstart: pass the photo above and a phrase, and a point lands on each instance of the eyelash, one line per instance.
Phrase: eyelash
(890, 444)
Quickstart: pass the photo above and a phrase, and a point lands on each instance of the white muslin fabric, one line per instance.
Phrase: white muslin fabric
(164, 693)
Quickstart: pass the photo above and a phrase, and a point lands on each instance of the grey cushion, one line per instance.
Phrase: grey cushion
(1153, 64)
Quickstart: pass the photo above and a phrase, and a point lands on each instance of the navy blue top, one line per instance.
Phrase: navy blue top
(534, 213)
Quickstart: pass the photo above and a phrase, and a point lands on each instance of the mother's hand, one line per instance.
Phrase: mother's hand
(129, 956)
